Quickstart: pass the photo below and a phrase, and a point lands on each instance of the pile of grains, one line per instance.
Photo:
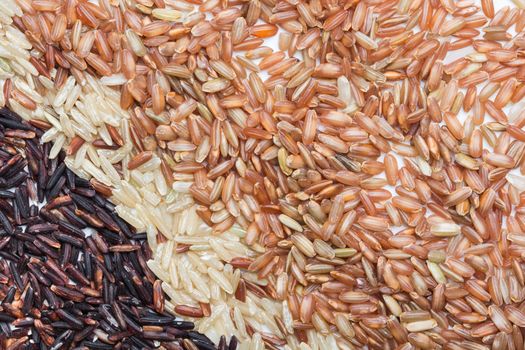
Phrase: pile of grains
(264, 198)
(73, 275)
(85, 119)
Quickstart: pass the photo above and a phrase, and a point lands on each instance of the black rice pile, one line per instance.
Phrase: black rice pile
(73, 275)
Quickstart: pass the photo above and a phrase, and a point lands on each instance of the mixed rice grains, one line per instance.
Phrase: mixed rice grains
(61, 288)
(260, 175)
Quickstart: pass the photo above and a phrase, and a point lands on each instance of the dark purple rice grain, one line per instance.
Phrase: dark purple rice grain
(7, 207)
(63, 340)
(85, 192)
(84, 333)
(59, 288)
(4, 241)
(93, 345)
(16, 180)
(66, 253)
(61, 325)
(51, 298)
(88, 270)
(106, 291)
(4, 327)
(55, 190)
(14, 166)
(16, 276)
(76, 275)
(67, 227)
(142, 343)
(195, 336)
(52, 265)
(70, 319)
(23, 236)
(7, 194)
(132, 324)
(139, 237)
(28, 299)
(122, 225)
(44, 249)
(184, 325)
(119, 316)
(33, 211)
(107, 220)
(177, 332)
(108, 263)
(75, 220)
(41, 181)
(104, 204)
(111, 237)
(234, 343)
(70, 177)
(80, 182)
(38, 275)
(82, 202)
(160, 336)
(41, 228)
(54, 279)
(6, 318)
(53, 179)
(8, 114)
(23, 322)
(17, 217)
(65, 238)
(6, 224)
(22, 201)
(137, 267)
(13, 124)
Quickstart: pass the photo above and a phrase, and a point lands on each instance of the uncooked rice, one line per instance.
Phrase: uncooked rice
(83, 111)
(263, 196)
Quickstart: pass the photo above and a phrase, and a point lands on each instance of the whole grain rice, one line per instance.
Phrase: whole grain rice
(84, 116)
(73, 273)
(263, 198)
